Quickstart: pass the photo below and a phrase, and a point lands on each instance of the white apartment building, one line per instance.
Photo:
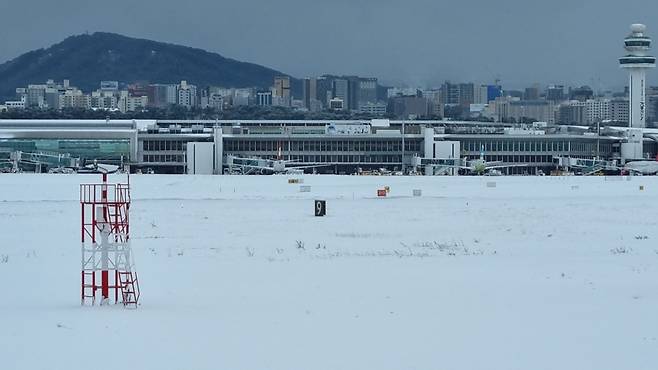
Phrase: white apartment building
(187, 94)
(507, 109)
(336, 104)
(373, 108)
(132, 103)
(481, 94)
(620, 110)
(15, 104)
(598, 110)
(74, 98)
(103, 100)
(540, 110)
(216, 101)
(241, 97)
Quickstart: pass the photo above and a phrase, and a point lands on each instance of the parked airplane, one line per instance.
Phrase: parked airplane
(481, 166)
(642, 167)
(262, 166)
(96, 167)
(478, 166)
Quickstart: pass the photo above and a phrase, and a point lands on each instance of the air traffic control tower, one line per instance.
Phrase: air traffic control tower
(637, 62)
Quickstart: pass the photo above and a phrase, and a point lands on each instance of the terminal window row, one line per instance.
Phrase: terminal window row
(152, 145)
(164, 158)
(326, 158)
(533, 146)
(542, 159)
(322, 145)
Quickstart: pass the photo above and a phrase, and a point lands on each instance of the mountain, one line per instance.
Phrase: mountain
(86, 60)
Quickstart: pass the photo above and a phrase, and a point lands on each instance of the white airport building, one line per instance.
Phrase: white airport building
(341, 147)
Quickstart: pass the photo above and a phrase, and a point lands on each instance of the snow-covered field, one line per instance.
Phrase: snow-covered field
(237, 273)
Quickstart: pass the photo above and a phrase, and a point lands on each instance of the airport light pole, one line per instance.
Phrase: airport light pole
(598, 138)
(403, 166)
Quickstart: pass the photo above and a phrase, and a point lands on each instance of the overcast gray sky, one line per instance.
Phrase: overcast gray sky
(417, 42)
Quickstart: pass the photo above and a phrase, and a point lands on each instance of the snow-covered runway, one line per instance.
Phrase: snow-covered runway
(237, 273)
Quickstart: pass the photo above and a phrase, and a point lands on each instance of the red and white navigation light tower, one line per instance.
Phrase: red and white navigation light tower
(107, 262)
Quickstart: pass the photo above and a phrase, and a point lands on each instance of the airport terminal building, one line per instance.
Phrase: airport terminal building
(340, 147)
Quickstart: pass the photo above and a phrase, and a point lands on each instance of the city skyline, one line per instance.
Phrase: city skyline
(417, 45)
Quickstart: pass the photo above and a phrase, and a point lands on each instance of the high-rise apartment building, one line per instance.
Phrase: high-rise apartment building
(162, 95)
(450, 93)
(598, 110)
(104, 100)
(341, 90)
(74, 98)
(187, 95)
(127, 103)
(281, 91)
(309, 92)
(264, 98)
(466, 94)
(536, 110)
(367, 91)
(406, 107)
(531, 93)
(281, 87)
(573, 112)
(619, 110)
(507, 109)
(324, 90)
(582, 93)
(462, 94)
(555, 93)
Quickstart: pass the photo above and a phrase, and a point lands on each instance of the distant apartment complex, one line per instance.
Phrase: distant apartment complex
(554, 104)
(350, 93)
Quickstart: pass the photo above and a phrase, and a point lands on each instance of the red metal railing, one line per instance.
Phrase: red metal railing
(93, 193)
(115, 202)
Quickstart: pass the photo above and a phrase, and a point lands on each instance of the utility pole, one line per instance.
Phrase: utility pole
(598, 138)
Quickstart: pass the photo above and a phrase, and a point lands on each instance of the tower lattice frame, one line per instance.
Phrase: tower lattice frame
(107, 260)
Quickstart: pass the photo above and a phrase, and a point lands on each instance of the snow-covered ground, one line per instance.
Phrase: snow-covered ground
(237, 273)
